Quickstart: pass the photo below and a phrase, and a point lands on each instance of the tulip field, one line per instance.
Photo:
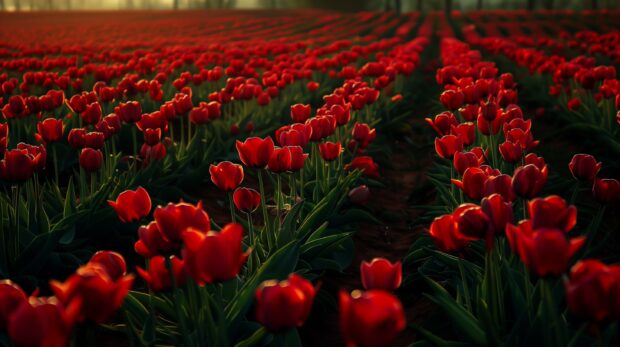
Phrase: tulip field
(310, 178)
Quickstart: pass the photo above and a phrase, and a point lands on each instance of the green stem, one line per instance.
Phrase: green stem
(232, 207)
(279, 198)
(177, 303)
(263, 200)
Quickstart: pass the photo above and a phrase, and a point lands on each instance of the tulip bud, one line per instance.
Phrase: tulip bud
(226, 175)
(246, 200)
(132, 205)
(584, 167)
(380, 273)
(284, 305)
(91, 159)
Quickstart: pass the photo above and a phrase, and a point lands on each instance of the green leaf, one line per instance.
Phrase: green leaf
(315, 248)
(254, 339)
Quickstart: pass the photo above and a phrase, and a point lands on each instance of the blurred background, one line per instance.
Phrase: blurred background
(340, 5)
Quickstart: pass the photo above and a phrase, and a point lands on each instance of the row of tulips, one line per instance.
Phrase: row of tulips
(499, 281)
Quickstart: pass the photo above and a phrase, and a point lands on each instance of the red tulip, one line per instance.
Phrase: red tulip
(129, 112)
(466, 132)
(91, 159)
(472, 222)
(94, 140)
(447, 145)
(446, 235)
(511, 152)
(214, 256)
(528, 180)
(606, 191)
(380, 273)
(42, 322)
(152, 242)
(226, 175)
(584, 167)
(174, 219)
(359, 195)
(322, 126)
(92, 113)
(132, 205)
(473, 182)
(552, 212)
(312, 86)
(443, 123)
(17, 166)
(153, 153)
(543, 251)
(246, 200)
(199, 115)
(499, 212)
(363, 134)
(38, 154)
(255, 152)
(365, 164)
(372, 318)
(574, 104)
(300, 112)
(488, 110)
(11, 296)
(99, 287)
(464, 160)
(330, 151)
(152, 136)
(77, 138)
(501, 184)
(591, 291)
(50, 129)
(158, 275)
(284, 305)
(290, 158)
(452, 99)
(297, 134)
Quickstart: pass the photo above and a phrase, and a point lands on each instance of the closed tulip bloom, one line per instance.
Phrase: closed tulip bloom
(446, 235)
(330, 151)
(584, 167)
(153, 153)
(528, 180)
(500, 184)
(342, 113)
(447, 145)
(511, 152)
(42, 322)
(129, 112)
(300, 112)
(255, 152)
(298, 158)
(94, 140)
(592, 290)
(364, 163)
(574, 104)
(173, 219)
(372, 318)
(380, 273)
(552, 212)
(112, 262)
(38, 154)
(211, 256)
(452, 99)
(11, 296)
(443, 123)
(199, 115)
(50, 130)
(152, 136)
(91, 159)
(473, 182)
(359, 195)
(363, 134)
(488, 110)
(499, 212)
(285, 304)
(151, 241)
(226, 175)
(158, 278)
(297, 134)
(92, 113)
(100, 291)
(606, 190)
(132, 205)
(464, 160)
(246, 199)
(471, 221)
(466, 132)
(17, 166)
(545, 252)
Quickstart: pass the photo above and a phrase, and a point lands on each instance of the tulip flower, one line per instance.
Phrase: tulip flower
(91, 159)
(606, 191)
(528, 180)
(92, 113)
(488, 110)
(446, 235)
(17, 166)
(94, 140)
(443, 123)
(132, 205)
(365, 164)
(552, 212)
(246, 200)
(152, 242)
(447, 145)
(363, 134)
(214, 256)
(452, 99)
(255, 152)
(592, 290)
(545, 252)
(466, 132)
(373, 318)
(472, 183)
(297, 134)
(99, 287)
(290, 158)
(42, 322)
(380, 273)
(500, 184)
(359, 195)
(11, 296)
(511, 152)
(584, 167)
(153, 153)
(300, 112)
(574, 104)
(173, 219)
(464, 160)
(50, 130)
(129, 112)
(330, 151)
(158, 278)
(499, 212)
(284, 305)
(472, 221)
(226, 175)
